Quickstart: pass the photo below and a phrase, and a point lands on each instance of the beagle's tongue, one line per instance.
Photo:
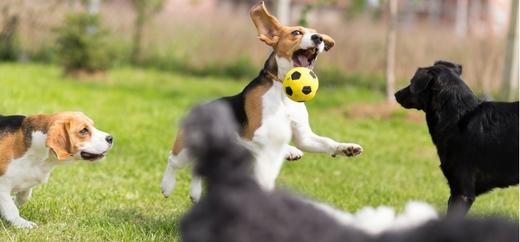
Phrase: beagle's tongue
(302, 61)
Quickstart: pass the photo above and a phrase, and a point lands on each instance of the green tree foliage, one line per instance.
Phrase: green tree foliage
(82, 44)
(304, 13)
(356, 7)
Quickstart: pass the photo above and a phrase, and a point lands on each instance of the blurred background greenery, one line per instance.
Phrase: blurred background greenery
(217, 38)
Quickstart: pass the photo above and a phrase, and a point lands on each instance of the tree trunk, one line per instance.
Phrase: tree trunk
(8, 48)
(93, 10)
(510, 72)
(93, 7)
(283, 11)
(434, 11)
(391, 41)
(137, 38)
(461, 18)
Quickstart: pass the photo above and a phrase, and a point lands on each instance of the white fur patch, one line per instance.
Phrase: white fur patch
(377, 220)
(284, 65)
(30, 169)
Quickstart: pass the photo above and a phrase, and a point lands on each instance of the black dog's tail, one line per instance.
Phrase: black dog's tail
(212, 140)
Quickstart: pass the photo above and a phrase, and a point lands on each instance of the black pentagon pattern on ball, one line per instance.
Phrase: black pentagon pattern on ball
(312, 74)
(296, 75)
(289, 91)
(306, 90)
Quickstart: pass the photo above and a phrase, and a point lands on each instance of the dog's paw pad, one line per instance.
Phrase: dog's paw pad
(350, 150)
(293, 157)
(293, 153)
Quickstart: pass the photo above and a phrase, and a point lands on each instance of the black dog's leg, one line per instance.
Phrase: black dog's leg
(462, 185)
(459, 205)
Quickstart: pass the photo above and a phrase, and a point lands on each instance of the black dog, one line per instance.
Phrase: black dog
(477, 142)
(236, 209)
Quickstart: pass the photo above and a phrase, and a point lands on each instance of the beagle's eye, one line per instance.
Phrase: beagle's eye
(84, 131)
(297, 32)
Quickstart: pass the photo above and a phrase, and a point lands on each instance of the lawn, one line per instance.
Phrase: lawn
(118, 199)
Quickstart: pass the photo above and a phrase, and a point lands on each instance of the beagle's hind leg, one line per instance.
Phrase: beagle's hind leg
(175, 162)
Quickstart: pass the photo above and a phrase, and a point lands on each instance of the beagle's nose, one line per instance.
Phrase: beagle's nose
(109, 139)
(317, 39)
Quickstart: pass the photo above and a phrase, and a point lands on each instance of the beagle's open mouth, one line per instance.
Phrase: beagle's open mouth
(305, 57)
(91, 156)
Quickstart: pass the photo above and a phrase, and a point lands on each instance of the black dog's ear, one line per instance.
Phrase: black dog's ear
(457, 68)
(421, 81)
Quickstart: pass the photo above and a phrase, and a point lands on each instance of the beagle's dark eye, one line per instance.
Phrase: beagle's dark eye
(297, 32)
(84, 131)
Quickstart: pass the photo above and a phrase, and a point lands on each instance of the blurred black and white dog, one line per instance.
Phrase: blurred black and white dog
(236, 209)
(477, 142)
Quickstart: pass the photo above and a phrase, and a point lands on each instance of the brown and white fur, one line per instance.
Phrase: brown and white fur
(269, 120)
(30, 147)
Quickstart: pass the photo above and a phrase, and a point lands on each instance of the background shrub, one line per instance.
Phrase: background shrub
(82, 44)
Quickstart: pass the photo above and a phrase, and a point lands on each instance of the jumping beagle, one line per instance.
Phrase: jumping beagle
(268, 118)
(30, 147)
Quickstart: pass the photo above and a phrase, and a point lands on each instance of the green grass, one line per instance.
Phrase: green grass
(119, 197)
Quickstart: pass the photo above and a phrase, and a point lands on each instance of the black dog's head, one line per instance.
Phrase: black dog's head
(427, 81)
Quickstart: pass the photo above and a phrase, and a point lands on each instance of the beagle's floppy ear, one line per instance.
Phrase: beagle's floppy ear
(421, 81)
(329, 42)
(58, 139)
(267, 25)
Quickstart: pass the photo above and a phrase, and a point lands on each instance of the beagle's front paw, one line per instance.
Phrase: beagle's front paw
(348, 149)
(292, 153)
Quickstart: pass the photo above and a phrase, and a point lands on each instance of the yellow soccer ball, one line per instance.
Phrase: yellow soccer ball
(300, 84)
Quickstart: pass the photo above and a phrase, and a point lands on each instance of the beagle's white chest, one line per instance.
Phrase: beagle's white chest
(30, 169)
(275, 130)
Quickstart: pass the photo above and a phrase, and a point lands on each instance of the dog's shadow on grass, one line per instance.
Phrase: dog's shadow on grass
(165, 226)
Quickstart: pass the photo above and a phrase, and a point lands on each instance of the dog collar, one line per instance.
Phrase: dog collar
(273, 76)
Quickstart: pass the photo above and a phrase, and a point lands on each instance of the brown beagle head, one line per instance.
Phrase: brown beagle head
(73, 135)
(296, 45)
